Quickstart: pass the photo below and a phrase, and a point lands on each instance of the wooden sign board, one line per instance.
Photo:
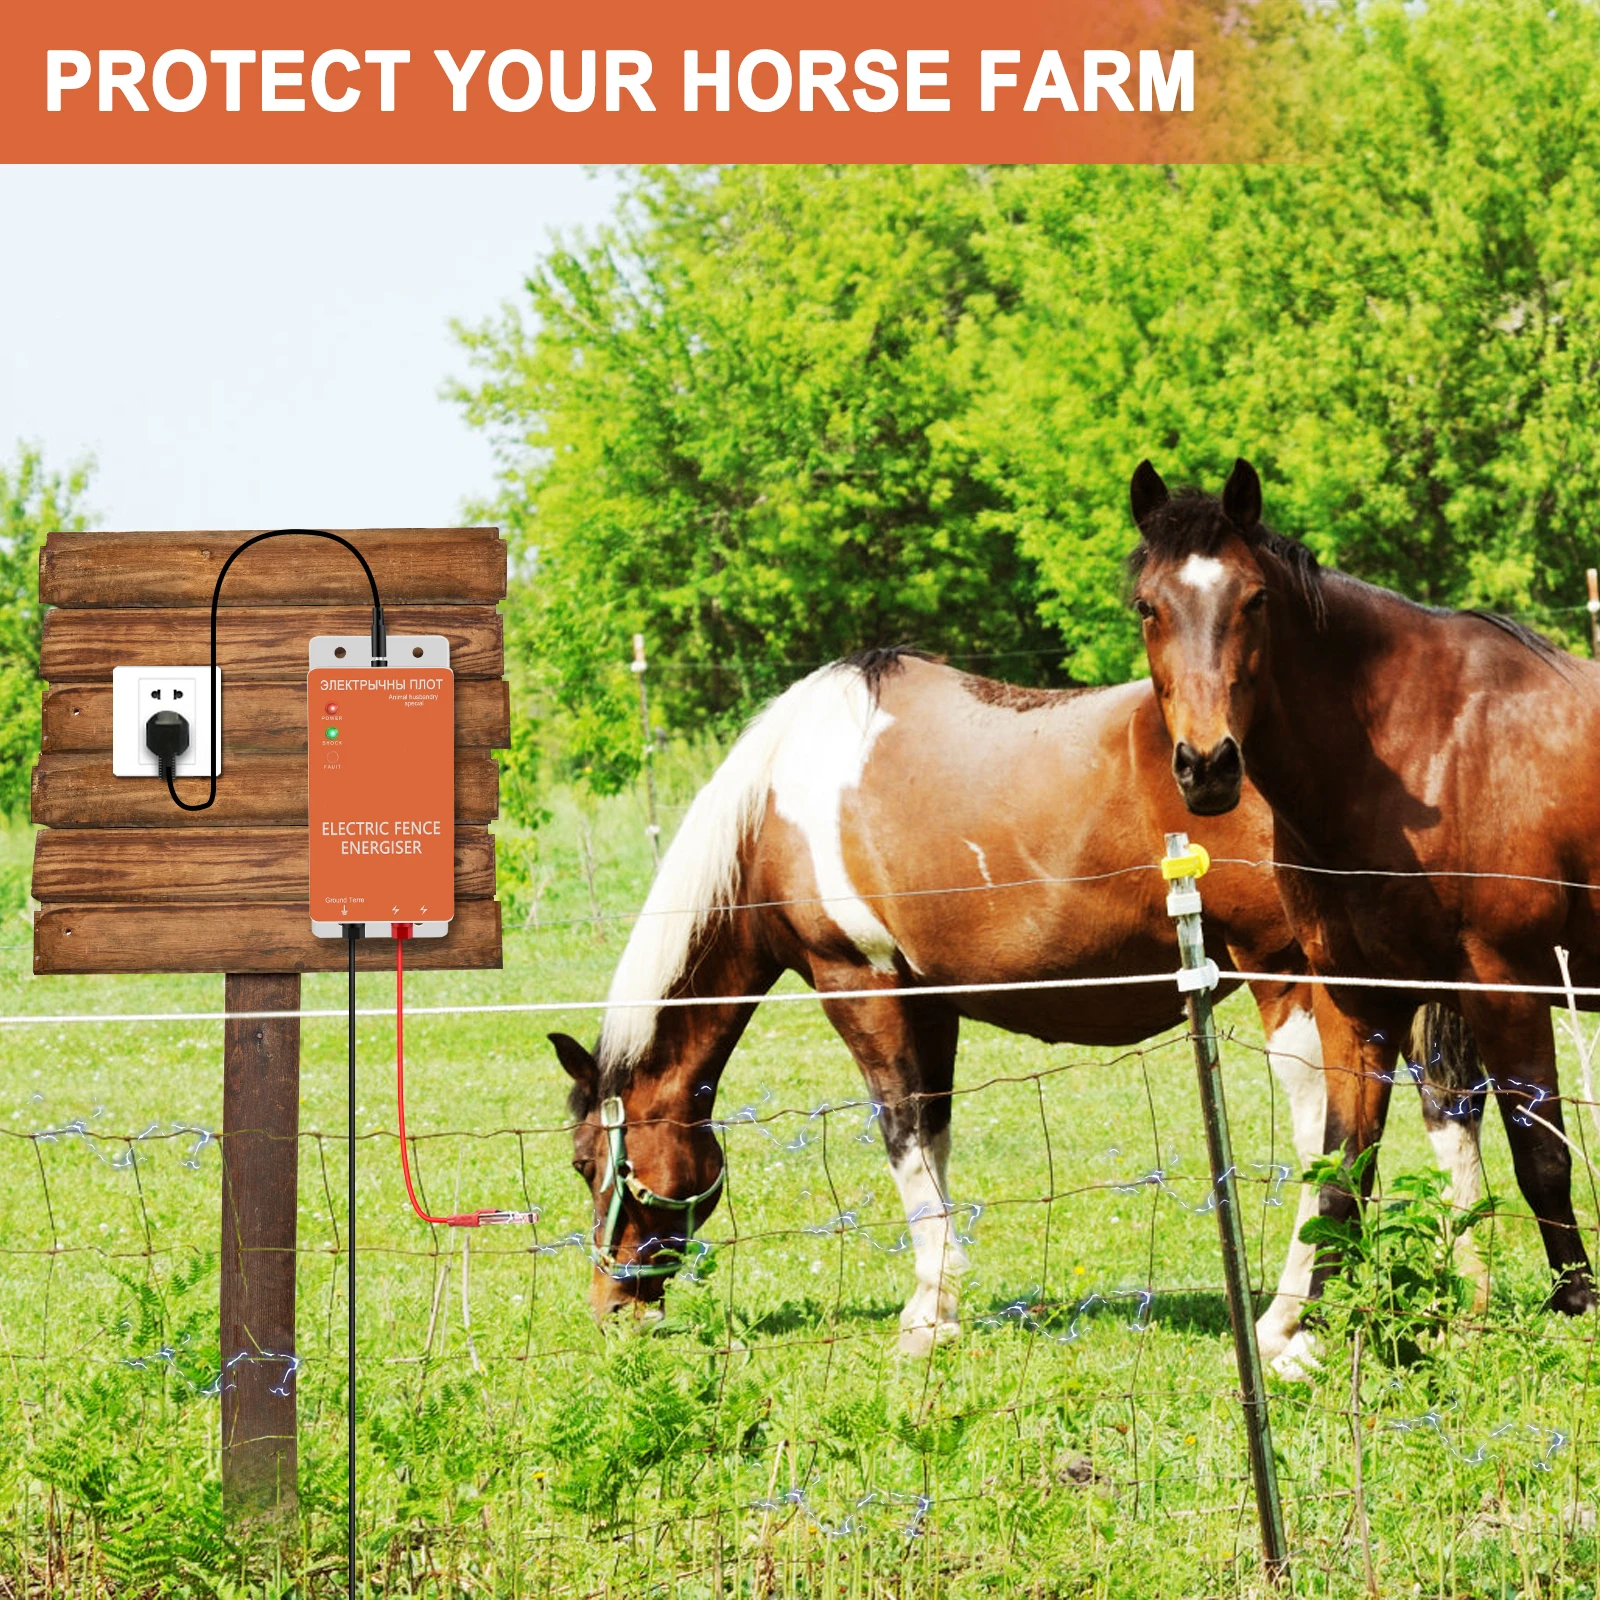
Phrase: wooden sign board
(129, 883)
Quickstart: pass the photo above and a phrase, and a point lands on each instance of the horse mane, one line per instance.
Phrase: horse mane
(1535, 643)
(700, 875)
(1529, 638)
(880, 661)
(1193, 523)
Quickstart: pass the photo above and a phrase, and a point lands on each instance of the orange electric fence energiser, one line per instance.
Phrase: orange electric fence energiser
(381, 800)
(381, 803)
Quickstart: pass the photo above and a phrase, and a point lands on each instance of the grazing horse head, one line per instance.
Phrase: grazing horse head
(1203, 576)
(644, 1146)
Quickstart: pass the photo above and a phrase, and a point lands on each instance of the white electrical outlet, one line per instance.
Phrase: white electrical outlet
(137, 693)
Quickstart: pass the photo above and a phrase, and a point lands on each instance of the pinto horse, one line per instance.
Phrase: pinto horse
(890, 823)
(1436, 820)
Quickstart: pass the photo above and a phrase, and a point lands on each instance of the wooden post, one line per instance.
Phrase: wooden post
(129, 883)
(1594, 613)
(639, 668)
(260, 1148)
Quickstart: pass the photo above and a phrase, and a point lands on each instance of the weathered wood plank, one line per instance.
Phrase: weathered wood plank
(263, 716)
(422, 566)
(255, 790)
(151, 865)
(260, 1158)
(239, 937)
(265, 643)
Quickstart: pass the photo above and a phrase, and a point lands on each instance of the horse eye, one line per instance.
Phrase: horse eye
(584, 1169)
(1144, 608)
(1256, 601)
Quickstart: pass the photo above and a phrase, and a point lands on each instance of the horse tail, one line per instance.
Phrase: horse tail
(700, 875)
(1451, 1069)
(1454, 1090)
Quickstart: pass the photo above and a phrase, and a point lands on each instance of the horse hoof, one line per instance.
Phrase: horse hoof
(1573, 1297)
(1298, 1361)
(922, 1338)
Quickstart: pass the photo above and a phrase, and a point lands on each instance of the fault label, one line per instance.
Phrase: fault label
(382, 793)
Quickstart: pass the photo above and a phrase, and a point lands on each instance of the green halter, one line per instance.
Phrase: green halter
(620, 1177)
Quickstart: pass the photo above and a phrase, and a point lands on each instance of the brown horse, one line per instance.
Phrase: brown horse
(890, 824)
(1436, 819)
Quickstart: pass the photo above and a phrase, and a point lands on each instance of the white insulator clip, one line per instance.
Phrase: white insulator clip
(1183, 902)
(1192, 979)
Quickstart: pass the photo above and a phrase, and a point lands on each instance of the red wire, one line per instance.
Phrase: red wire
(400, 1073)
(402, 932)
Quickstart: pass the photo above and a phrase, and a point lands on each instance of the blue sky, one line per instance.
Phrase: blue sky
(249, 347)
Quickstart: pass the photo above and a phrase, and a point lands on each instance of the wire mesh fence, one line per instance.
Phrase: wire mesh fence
(768, 1439)
(1081, 1435)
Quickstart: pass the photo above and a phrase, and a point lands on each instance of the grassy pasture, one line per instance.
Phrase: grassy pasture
(1078, 1440)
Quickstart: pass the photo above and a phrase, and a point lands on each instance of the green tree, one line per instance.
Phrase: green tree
(1403, 332)
(33, 501)
(776, 413)
(722, 426)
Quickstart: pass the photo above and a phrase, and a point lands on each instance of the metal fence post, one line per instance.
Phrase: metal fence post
(1594, 612)
(1183, 865)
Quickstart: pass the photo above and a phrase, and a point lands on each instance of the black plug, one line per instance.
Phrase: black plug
(380, 639)
(166, 737)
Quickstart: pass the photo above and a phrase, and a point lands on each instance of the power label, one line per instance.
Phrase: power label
(381, 793)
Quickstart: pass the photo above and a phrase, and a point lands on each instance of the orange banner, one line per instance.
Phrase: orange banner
(710, 80)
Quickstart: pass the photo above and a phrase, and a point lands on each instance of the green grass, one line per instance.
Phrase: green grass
(768, 1440)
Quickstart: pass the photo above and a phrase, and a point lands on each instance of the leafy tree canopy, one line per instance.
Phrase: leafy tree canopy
(33, 501)
(773, 414)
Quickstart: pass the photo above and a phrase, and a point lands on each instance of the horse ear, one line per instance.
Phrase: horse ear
(1147, 492)
(1241, 499)
(580, 1065)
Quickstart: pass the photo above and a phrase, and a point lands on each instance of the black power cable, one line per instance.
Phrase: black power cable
(352, 932)
(167, 736)
(380, 642)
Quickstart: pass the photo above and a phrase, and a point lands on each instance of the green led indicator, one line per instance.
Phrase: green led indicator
(330, 733)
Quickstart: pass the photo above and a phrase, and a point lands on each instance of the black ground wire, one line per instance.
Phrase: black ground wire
(352, 932)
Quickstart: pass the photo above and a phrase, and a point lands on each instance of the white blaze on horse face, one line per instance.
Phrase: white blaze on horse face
(824, 755)
(1201, 572)
(930, 1316)
(1295, 1051)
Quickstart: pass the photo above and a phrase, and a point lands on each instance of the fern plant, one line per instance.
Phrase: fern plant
(1394, 1258)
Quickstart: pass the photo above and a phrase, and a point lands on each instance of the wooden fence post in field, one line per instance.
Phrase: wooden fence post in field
(639, 668)
(260, 1171)
(1594, 612)
(129, 883)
